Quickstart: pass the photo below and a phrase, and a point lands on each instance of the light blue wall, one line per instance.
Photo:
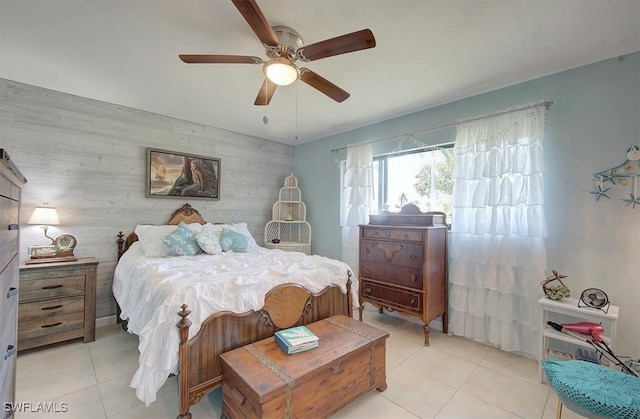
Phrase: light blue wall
(594, 120)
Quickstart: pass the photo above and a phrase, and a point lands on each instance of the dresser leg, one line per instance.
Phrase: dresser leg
(427, 332)
(360, 310)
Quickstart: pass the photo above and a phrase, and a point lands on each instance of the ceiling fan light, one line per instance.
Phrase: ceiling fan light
(281, 73)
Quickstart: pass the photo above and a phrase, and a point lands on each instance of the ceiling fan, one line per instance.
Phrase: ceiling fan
(283, 46)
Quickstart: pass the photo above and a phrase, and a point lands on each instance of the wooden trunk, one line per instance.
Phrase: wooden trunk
(260, 380)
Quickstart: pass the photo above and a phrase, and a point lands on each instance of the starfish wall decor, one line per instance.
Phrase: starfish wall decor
(626, 174)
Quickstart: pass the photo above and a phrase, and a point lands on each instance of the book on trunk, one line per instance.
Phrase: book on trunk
(296, 339)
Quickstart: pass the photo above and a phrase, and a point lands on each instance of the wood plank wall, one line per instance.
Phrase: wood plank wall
(87, 159)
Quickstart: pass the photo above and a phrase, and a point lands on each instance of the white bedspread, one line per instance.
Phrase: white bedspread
(150, 292)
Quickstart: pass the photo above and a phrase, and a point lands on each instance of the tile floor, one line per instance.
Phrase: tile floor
(452, 378)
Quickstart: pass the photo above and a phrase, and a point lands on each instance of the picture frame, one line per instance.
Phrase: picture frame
(173, 174)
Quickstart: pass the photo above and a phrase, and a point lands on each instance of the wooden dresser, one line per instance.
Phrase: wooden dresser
(57, 302)
(11, 183)
(403, 267)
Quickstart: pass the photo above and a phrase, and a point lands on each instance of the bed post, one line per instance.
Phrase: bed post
(183, 384)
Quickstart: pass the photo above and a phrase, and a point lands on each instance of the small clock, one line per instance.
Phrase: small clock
(65, 245)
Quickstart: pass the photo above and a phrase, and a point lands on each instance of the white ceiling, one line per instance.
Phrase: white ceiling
(429, 52)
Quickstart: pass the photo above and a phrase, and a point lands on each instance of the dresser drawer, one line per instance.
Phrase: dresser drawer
(8, 230)
(375, 233)
(46, 309)
(389, 296)
(397, 253)
(38, 326)
(51, 287)
(393, 274)
(402, 234)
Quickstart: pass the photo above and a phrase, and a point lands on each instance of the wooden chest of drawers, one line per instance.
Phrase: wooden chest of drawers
(260, 380)
(11, 183)
(404, 269)
(57, 302)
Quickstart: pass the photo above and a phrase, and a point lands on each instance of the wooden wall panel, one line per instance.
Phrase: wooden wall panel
(87, 158)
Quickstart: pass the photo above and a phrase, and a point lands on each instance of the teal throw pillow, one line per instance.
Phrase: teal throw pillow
(182, 242)
(234, 241)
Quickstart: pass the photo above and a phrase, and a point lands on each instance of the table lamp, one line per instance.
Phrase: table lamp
(44, 216)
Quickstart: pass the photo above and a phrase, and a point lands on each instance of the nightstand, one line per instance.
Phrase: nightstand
(57, 302)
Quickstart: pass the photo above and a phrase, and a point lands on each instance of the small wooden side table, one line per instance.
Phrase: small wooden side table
(57, 302)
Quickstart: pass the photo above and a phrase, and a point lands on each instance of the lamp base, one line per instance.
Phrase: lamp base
(51, 260)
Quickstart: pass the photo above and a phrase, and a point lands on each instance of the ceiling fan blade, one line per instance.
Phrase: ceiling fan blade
(254, 17)
(351, 42)
(220, 59)
(266, 93)
(325, 86)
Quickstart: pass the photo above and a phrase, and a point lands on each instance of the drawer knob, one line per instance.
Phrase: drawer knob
(413, 257)
(367, 270)
(52, 287)
(52, 307)
(367, 290)
(44, 326)
(11, 351)
(414, 278)
(13, 291)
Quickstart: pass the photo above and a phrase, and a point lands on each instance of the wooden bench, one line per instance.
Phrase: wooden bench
(260, 380)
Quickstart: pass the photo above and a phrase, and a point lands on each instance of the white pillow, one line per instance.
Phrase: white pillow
(238, 228)
(208, 242)
(150, 238)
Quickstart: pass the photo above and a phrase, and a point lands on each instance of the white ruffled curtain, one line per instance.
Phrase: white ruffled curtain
(497, 253)
(357, 200)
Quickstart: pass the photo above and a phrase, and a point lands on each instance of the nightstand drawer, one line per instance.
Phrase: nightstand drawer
(51, 287)
(47, 309)
(48, 326)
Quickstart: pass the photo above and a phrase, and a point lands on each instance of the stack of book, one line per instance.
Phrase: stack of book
(296, 339)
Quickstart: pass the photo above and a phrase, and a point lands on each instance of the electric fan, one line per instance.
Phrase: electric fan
(594, 298)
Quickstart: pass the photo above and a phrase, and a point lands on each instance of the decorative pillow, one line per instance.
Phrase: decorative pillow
(234, 241)
(182, 242)
(208, 242)
(150, 237)
(239, 228)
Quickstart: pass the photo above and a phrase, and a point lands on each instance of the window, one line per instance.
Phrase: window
(421, 177)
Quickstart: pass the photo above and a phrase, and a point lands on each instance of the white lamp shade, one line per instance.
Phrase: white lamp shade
(44, 216)
(281, 73)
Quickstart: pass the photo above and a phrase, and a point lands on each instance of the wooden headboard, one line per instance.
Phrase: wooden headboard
(185, 214)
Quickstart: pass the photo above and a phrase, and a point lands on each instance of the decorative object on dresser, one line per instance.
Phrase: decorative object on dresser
(403, 265)
(57, 302)
(60, 249)
(171, 174)
(11, 183)
(289, 229)
(259, 380)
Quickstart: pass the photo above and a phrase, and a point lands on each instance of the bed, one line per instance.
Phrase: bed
(187, 310)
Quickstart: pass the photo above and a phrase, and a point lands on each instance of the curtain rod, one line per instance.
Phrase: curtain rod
(547, 104)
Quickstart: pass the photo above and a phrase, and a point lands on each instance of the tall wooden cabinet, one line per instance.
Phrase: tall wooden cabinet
(11, 183)
(403, 266)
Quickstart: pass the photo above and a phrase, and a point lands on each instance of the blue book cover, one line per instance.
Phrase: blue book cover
(296, 339)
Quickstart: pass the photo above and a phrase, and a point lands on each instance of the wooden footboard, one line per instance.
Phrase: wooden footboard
(200, 370)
